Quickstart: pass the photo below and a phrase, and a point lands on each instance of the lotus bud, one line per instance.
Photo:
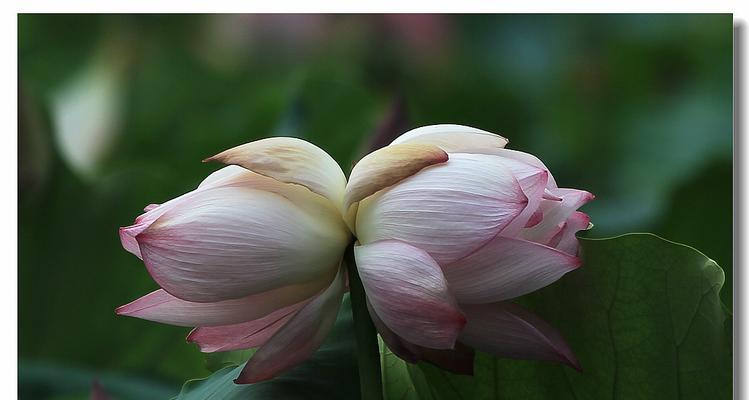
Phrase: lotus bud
(450, 226)
(251, 257)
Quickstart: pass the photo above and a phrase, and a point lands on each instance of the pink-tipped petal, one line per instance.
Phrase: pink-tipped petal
(128, 234)
(566, 240)
(508, 330)
(406, 288)
(400, 347)
(505, 268)
(127, 238)
(245, 335)
(533, 187)
(555, 213)
(232, 177)
(298, 338)
(232, 241)
(458, 360)
(162, 307)
(152, 212)
(447, 210)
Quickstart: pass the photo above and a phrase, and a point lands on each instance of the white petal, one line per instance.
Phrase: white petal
(229, 242)
(223, 175)
(453, 138)
(465, 139)
(448, 209)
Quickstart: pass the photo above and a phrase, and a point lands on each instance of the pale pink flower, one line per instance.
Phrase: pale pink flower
(252, 257)
(450, 227)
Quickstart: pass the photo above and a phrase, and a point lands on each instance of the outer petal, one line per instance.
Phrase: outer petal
(142, 222)
(448, 210)
(505, 268)
(299, 338)
(222, 176)
(555, 213)
(245, 335)
(388, 166)
(290, 160)
(230, 242)
(402, 348)
(508, 330)
(453, 138)
(314, 204)
(231, 175)
(162, 307)
(566, 240)
(406, 288)
(458, 360)
(465, 139)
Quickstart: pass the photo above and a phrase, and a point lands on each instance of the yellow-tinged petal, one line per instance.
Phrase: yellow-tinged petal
(454, 138)
(388, 166)
(290, 160)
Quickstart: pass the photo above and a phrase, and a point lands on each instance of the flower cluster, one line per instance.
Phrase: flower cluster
(449, 225)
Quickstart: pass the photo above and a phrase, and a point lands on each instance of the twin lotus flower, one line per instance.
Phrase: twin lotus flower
(449, 225)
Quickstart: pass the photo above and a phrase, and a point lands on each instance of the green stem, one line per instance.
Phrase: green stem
(367, 349)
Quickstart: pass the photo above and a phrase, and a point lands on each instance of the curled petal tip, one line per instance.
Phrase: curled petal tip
(216, 157)
(125, 309)
(548, 195)
(566, 357)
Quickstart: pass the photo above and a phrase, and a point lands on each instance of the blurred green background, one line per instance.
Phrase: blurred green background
(116, 112)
